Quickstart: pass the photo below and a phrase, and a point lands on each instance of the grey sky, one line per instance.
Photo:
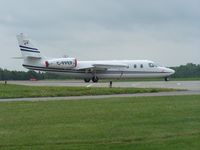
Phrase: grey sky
(166, 32)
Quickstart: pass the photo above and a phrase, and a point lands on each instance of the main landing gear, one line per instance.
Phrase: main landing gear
(94, 79)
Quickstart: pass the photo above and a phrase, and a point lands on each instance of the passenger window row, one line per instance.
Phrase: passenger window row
(141, 66)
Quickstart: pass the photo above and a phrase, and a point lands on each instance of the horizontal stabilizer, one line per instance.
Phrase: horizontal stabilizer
(17, 57)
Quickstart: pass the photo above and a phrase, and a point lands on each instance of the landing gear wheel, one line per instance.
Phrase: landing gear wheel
(95, 79)
(87, 80)
(166, 79)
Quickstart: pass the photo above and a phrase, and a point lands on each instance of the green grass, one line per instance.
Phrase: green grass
(20, 91)
(145, 123)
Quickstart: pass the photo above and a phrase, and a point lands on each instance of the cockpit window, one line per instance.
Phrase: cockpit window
(152, 65)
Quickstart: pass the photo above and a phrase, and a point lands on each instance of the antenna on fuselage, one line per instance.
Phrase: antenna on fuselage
(65, 56)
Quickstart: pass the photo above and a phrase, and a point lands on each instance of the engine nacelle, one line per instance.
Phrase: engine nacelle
(64, 63)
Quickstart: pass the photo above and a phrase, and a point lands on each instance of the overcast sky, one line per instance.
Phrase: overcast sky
(165, 31)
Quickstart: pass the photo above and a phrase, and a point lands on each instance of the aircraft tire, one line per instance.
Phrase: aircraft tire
(87, 80)
(95, 79)
(166, 79)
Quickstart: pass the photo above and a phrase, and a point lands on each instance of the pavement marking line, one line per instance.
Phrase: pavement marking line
(89, 85)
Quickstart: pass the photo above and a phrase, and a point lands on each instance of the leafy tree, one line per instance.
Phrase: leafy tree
(189, 70)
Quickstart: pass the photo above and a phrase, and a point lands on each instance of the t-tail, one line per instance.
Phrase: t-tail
(27, 49)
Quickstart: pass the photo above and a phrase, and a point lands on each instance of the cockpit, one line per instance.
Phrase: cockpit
(152, 65)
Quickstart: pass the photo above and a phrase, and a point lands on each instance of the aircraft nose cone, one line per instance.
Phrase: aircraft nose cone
(168, 71)
(171, 71)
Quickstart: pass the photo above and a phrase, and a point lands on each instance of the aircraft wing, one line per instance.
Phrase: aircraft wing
(104, 66)
(110, 66)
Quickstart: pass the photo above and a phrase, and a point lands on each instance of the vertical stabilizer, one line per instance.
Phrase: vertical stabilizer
(27, 48)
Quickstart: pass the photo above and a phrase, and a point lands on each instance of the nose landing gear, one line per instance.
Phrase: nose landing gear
(166, 79)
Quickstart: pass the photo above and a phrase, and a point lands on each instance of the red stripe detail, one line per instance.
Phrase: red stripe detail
(46, 64)
(76, 62)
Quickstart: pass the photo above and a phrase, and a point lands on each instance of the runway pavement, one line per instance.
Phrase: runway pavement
(189, 85)
(192, 87)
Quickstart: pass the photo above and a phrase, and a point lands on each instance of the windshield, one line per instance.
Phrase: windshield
(152, 65)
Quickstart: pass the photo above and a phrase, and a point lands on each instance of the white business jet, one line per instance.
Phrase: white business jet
(89, 70)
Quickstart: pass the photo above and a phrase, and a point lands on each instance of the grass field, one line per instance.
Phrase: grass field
(145, 123)
(20, 91)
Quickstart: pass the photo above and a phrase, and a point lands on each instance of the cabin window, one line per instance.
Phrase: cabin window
(135, 66)
(141, 66)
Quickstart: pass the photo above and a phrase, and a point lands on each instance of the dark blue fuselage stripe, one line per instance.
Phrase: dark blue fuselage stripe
(28, 48)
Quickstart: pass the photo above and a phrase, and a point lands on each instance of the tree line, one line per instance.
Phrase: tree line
(23, 75)
(189, 70)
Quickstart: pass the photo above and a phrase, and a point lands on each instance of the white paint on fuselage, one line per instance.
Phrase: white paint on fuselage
(130, 72)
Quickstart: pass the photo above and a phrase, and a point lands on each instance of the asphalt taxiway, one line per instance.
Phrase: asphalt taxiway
(187, 85)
